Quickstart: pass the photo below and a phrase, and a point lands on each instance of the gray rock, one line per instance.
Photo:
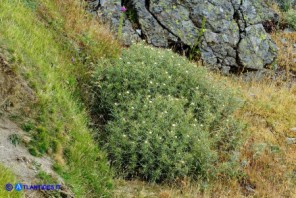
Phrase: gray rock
(175, 18)
(139, 32)
(293, 129)
(225, 69)
(151, 28)
(93, 5)
(232, 36)
(256, 12)
(250, 188)
(256, 50)
(129, 35)
(110, 13)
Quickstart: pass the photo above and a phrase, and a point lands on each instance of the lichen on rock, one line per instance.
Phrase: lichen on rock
(233, 38)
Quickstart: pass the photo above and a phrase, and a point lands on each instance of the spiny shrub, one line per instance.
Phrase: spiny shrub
(164, 117)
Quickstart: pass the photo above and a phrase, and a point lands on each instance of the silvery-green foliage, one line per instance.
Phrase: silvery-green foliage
(165, 117)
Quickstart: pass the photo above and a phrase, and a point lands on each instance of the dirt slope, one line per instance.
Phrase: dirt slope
(16, 97)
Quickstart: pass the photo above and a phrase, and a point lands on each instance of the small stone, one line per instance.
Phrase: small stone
(26, 140)
(294, 45)
(284, 41)
(291, 140)
(225, 69)
(250, 188)
(18, 158)
(293, 129)
(244, 163)
(139, 31)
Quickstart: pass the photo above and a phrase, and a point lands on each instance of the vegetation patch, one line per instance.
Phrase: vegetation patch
(6, 176)
(53, 45)
(165, 118)
(286, 54)
(290, 18)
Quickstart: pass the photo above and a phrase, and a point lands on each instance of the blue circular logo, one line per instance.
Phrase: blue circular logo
(9, 187)
(18, 187)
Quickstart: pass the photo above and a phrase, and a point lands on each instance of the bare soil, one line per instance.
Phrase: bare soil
(16, 97)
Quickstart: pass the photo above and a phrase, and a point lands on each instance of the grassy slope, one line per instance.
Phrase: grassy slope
(270, 114)
(7, 177)
(42, 50)
(44, 38)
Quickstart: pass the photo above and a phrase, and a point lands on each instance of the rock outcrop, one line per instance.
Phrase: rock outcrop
(233, 35)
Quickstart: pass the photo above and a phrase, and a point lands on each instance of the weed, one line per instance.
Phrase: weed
(27, 127)
(121, 20)
(194, 52)
(33, 151)
(14, 139)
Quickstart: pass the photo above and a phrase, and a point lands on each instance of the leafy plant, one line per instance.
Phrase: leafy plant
(32, 4)
(285, 5)
(290, 18)
(28, 126)
(121, 21)
(165, 118)
(194, 51)
(14, 139)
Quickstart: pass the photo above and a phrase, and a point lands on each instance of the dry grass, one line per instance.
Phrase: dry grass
(270, 114)
(287, 52)
(71, 20)
(269, 162)
(14, 92)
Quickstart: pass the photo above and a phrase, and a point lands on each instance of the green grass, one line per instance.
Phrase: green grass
(48, 180)
(6, 176)
(290, 18)
(58, 124)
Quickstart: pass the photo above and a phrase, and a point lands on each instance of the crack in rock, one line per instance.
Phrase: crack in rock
(234, 37)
